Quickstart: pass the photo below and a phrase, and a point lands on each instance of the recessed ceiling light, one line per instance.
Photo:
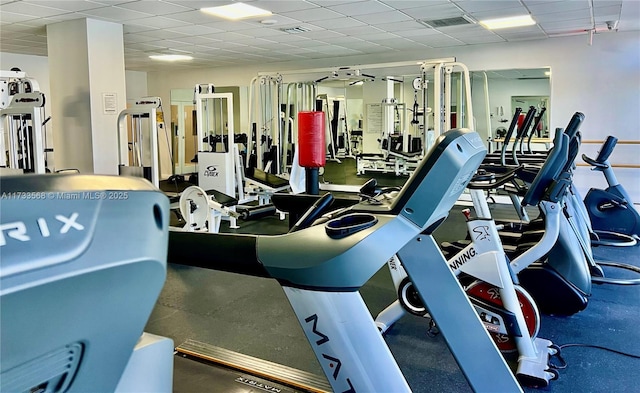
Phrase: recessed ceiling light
(170, 57)
(512, 21)
(236, 11)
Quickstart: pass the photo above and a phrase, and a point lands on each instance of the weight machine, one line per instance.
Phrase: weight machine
(23, 139)
(220, 166)
(400, 160)
(138, 129)
(267, 137)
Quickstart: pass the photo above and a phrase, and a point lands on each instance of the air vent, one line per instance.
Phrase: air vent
(296, 30)
(447, 22)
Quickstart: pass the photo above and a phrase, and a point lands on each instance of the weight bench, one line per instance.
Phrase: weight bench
(264, 184)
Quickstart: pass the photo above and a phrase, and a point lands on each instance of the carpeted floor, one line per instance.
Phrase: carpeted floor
(252, 316)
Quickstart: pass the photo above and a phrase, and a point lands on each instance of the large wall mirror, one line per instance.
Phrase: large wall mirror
(361, 122)
(507, 90)
(495, 96)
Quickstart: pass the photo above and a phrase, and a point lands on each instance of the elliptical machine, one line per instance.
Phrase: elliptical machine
(611, 210)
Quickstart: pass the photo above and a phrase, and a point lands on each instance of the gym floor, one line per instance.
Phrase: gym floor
(252, 316)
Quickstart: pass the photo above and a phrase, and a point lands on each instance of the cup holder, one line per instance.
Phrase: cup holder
(348, 225)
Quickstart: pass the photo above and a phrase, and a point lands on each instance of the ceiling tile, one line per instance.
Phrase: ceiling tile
(115, 13)
(359, 31)
(423, 32)
(603, 14)
(22, 28)
(313, 14)
(501, 13)
(12, 17)
(195, 17)
(69, 6)
(436, 11)
(444, 43)
(406, 4)
(159, 22)
(308, 44)
(340, 51)
(112, 2)
(379, 49)
(383, 17)
(322, 34)
(144, 46)
(566, 25)
(555, 7)
(331, 3)
(225, 45)
(398, 43)
(511, 35)
(31, 40)
(155, 7)
(472, 6)
(361, 8)
(380, 36)
(229, 25)
(473, 40)
(197, 4)
(162, 34)
(343, 40)
(58, 18)
(605, 3)
(363, 45)
(194, 30)
(130, 38)
(31, 9)
(470, 30)
(294, 51)
(280, 6)
(338, 23)
(400, 26)
(274, 45)
(129, 28)
(228, 36)
(556, 17)
(262, 32)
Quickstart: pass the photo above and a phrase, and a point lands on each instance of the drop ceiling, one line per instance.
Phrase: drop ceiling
(332, 28)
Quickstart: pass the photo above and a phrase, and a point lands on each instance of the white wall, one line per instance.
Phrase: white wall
(137, 86)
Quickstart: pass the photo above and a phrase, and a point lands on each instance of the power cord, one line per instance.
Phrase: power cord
(563, 363)
(601, 347)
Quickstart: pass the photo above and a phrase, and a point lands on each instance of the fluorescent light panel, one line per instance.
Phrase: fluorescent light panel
(512, 21)
(236, 11)
(170, 57)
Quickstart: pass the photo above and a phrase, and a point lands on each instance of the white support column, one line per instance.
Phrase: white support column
(87, 93)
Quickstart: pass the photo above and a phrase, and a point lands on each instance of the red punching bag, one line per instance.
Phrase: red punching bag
(311, 139)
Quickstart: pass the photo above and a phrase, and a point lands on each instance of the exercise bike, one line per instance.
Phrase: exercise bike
(611, 210)
(507, 311)
(322, 266)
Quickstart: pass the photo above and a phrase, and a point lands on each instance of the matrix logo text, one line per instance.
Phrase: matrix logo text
(17, 230)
